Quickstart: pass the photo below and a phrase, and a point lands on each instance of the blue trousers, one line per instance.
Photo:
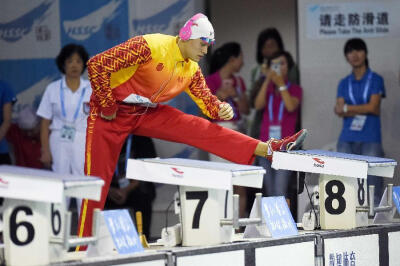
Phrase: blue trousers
(275, 182)
(369, 149)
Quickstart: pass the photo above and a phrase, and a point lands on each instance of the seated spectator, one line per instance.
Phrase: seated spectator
(24, 136)
(7, 99)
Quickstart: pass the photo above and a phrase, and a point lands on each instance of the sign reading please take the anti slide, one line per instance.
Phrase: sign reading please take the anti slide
(347, 20)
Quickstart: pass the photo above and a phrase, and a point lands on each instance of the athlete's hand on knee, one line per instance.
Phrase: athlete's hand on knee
(225, 111)
(108, 117)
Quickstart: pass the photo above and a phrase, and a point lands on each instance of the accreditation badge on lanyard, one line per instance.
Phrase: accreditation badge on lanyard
(275, 131)
(68, 133)
(358, 121)
(68, 130)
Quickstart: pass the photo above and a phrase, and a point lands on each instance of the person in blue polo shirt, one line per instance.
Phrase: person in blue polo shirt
(7, 99)
(358, 102)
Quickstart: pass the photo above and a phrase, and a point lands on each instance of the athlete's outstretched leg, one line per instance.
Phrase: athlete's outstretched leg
(170, 124)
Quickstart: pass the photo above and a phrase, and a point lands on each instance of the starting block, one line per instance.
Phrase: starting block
(343, 197)
(205, 190)
(36, 222)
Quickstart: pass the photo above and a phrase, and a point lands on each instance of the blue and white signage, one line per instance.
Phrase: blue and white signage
(154, 16)
(342, 258)
(396, 197)
(29, 29)
(123, 232)
(355, 250)
(32, 34)
(30, 79)
(277, 217)
(347, 20)
(97, 26)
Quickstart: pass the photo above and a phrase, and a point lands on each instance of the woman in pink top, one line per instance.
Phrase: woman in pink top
(280, 101)
(226, 61)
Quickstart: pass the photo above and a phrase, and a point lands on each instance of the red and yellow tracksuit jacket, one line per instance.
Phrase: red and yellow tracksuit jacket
(151, 66)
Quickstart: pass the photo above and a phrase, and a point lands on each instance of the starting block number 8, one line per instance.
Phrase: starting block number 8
(361, 193)
(335, 195)
(339, 197)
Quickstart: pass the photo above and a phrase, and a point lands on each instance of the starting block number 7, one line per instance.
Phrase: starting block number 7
(201, 212)
(202, 197)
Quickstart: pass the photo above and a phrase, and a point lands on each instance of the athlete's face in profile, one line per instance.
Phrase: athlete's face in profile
(196, 49)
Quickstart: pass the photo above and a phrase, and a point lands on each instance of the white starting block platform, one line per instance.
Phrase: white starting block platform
(35, 212)
(342, 182)
(205, 190)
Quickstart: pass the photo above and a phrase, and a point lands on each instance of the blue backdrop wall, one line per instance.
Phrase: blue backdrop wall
(33, 32)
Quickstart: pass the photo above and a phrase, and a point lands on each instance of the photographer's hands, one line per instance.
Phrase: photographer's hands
(277, 79)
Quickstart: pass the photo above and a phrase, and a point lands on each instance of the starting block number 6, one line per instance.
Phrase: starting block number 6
(15, 226)
(28, 226)
(26, 231)
(55, 220)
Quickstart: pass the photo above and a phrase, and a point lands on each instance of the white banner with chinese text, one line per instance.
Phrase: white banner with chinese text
(347, 20)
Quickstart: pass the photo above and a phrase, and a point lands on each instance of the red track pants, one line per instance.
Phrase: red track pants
(104, 141)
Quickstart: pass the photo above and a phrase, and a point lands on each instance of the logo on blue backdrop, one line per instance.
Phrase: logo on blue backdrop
(97, 25)
(33, 94)
(16, 29)
(161, 21)
(313, 8)
(29, 86)
(84, 27)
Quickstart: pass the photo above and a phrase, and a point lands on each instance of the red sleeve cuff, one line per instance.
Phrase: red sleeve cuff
(108, 111)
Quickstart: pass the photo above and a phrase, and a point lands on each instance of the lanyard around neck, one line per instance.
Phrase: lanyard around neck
(64, 113)
(238, 86)
(366, 89)
(271, 109)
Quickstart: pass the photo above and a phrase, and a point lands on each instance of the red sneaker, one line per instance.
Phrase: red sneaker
(289, 143)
